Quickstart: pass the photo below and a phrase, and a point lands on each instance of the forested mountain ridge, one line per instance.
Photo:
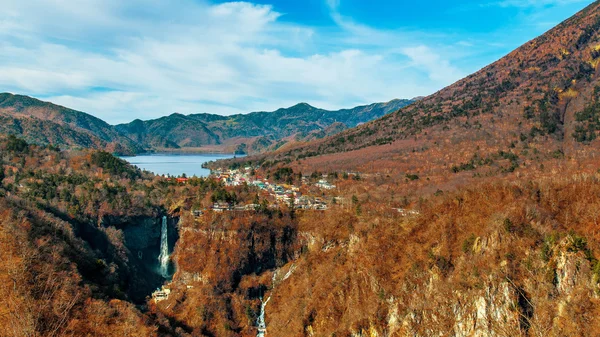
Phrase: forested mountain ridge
(253, 132)
(46, 123)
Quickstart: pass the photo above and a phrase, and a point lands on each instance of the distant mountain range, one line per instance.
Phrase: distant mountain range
(46, 123)
(253, 132)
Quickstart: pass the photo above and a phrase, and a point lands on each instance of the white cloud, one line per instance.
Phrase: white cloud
(438, 69)
(137, 59)
(333, 4)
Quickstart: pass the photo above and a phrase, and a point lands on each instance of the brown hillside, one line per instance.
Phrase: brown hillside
(542, 97)
(46, 123)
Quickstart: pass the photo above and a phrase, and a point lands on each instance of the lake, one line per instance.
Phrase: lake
(175, 164)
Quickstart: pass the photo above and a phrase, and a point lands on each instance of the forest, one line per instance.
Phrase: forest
(513, 256)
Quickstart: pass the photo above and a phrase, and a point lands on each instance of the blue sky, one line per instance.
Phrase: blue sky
(121, 60)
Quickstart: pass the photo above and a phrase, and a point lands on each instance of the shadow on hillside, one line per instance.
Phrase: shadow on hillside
(109, 270)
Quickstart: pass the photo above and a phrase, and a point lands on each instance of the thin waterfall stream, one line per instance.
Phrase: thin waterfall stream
(163, 257)
(260, 322)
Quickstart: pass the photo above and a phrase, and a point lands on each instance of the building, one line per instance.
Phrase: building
(324, 184)
(406, 212)
(161, 294)
(220, 206)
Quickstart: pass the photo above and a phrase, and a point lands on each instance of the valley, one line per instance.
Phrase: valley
(473, 211)
(492, 251)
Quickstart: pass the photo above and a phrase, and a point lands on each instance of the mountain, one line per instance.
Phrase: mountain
(46, 123)
(545, 95)
(253, 132)
(167, 132)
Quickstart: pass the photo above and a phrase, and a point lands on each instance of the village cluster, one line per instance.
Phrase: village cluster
(308, 196)
(287, 194)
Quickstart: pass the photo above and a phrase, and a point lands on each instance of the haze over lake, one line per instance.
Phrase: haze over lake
(175, 164)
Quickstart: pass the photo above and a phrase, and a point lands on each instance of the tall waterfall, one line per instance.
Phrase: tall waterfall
(163, 257)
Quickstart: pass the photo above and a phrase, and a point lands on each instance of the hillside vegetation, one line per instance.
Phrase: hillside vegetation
(79, 236)
(498, 258)
(45, 123)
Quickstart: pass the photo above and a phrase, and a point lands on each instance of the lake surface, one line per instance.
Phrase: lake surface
(175, 164)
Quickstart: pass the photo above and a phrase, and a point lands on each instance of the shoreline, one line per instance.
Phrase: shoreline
(184, 153)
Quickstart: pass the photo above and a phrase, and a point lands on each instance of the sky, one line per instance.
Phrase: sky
(121, 60)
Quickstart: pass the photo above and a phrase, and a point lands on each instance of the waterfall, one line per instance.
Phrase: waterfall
(262, 326)
(163, 257)
(260, 322)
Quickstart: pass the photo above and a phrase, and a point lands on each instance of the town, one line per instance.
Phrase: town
(314, 192)
(306, 196)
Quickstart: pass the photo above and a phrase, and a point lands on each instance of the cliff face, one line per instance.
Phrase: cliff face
(498, 260)
(142, 235)
(428, 303)
(142, 238)
(225, 265)
(139, 240)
